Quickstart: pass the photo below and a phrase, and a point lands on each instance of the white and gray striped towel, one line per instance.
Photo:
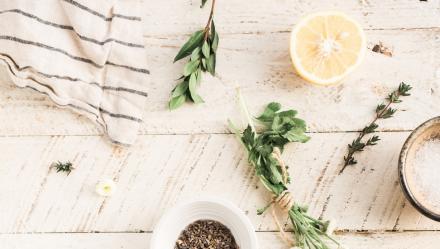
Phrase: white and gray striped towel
(85, 55)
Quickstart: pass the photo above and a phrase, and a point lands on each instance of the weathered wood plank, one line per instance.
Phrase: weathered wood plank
(268, 16)
(267, 240)
(163, 170)
(260, 64)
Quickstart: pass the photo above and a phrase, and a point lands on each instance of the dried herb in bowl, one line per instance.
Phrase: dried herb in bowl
(206, 234)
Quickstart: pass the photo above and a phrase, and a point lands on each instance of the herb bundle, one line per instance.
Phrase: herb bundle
(383, 111)
(264, 149)
(63, 167)
(201, 48)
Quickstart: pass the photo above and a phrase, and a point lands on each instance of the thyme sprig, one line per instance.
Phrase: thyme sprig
(63, 167)
(279, 129)
(201, 48)
(383, 111)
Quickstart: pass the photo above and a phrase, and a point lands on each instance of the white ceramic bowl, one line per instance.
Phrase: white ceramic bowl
(172, 223)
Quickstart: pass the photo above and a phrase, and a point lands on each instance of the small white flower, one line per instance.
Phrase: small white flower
(331, 227)
(105, 187)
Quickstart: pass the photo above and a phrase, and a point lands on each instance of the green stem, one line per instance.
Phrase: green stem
(236, 132)
(211, 16)
(245, 110)
(362, 134)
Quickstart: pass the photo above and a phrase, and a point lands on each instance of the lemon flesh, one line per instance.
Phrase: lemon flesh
(326, 46)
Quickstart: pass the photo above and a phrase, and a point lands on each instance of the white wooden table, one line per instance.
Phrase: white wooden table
(189, 152)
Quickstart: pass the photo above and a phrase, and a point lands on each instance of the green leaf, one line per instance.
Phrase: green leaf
(210, 64)
(276, 176)
(203, 3)
(299, 123)
(214, 38)
(372, 141)
(388, 113)
(206, 49)
(248, 136)
(297, 135)
(197, 99)
(194, 41)
(269, 112)
(268, 185)
(176, 102)
(370, 128)
(274, 106)
(213, 31)
(215, 41)
(288, 113)
(380, 107)
(192, 89)
(180, 89)
(199, 75)
(190, 67)
(204, 66)
(404, 89)
(277, 123)
(195, 55)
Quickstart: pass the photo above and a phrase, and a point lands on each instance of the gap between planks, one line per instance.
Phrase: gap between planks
(266, 240)
(189, 134)
(433, 29)
(336, 232)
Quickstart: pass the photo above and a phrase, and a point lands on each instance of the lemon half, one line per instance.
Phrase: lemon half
(327, 46)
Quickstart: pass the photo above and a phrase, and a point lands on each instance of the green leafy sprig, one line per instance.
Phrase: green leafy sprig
(201, 48)
(63, 167)
(279, 129)
(383, 111)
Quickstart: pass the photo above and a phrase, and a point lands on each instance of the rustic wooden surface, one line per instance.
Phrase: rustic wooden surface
(189, 152)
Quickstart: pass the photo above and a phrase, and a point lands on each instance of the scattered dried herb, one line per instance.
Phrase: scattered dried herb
(264, 154)
(63, 167)
(380, 48)
(201, 48)
(383, 111)
(206, 234)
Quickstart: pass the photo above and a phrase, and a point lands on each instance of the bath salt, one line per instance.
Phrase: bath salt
(426, 175)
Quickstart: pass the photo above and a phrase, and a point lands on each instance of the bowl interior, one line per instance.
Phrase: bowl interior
(410, 180)
(171, 225)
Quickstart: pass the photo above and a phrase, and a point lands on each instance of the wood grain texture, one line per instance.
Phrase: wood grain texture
(152, 179)
(267, 16)
(186, 154)
(387, 240)
(260, 64)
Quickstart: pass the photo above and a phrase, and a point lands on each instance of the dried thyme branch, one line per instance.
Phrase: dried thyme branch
(383, 111)
(264, 150)
(63, 167)
(202, 48)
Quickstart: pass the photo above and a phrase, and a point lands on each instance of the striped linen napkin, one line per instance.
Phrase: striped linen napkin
(85, 55)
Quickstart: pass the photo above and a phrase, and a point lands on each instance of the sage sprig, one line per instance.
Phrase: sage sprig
(264, 149)
(201, 48)
(383, 111)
